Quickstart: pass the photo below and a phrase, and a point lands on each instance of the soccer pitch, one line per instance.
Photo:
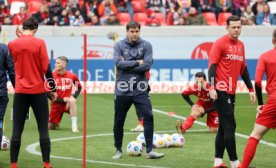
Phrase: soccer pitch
(198, 151)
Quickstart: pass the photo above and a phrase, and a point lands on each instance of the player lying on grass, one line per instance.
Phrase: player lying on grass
(66, 102)
(204, 105)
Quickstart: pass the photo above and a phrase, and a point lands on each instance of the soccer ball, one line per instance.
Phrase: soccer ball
(178, 140)
(134, 148)
(141, 138)
(5, 143)
(158, 141)
(168, 140)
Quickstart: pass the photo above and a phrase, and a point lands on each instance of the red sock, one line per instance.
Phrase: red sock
(249, 152)
(188, 123)
(141, 122)
(46, 164)
(14, 165)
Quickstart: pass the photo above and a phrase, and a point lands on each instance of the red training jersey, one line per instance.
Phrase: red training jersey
(229, 57)
(65, 83)
(267, 64)
(30, 62)
(202, 94)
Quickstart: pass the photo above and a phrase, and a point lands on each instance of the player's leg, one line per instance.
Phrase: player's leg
(250, 149)
(55, 116)
(39, 104)
(227, 120)
(3, 105)
(140, 126)
(72, 106)
(143, 104)
(196, 112)
(20, 109)
(212, 121)
(122, 105)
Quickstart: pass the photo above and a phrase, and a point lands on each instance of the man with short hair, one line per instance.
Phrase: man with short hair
(226, 63)
(66, 102)
(133, 57)
(204, 105)
(266, 118)
(31, 65)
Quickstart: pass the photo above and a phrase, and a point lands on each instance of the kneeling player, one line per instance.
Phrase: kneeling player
(204, 105)
(65, 103)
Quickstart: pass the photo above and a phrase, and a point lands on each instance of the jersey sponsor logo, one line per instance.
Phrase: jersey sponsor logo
(234, 57)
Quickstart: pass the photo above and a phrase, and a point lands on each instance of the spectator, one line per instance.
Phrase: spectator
(4, 11)
(153, 21)
(55, 9)
(76, 19)
(176, 17)
(90, 7)
(42, 16)
(63, 19)
(224, 6)
(258, 6)
(72, 6)
(194, 18)
(265, 17)
(112, 20)
(106, 8)
(248, 17)
(92, 19)
(21, 16)
(156, 6)
(204, 5)
(124, 6)
(239, 6)
(170, 6)
(185, 5)
(7, 21)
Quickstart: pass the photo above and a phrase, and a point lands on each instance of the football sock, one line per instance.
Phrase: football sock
(249, 151)
(188, 123)
(141, 122)
(74, 121)
(217, 161)
(235, 164)
(14, 165)
(46, 164)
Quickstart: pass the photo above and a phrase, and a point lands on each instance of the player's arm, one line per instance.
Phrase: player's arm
(209, 110)
(78, 85)
(246, 78)
(260, 70)
(10, 68)
(120, 62)
(147, 61)
(186, 96)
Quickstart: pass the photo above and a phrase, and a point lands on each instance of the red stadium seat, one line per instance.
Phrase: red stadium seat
(34, 6)
(160, 18)
(223, 17)
(124, 18)
(210, 18)
(138, 6)
(169, 20)
(141, 18)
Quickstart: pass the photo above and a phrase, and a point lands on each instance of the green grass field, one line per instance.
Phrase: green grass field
(197, 152)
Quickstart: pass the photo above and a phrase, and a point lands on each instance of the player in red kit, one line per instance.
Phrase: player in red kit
(266, 118)
(31, 65)
(226, 63)
(204, 105)
(66, 102)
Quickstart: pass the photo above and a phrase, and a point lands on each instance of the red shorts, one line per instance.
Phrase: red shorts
(56, 112)
(267, 117)
(212, 117)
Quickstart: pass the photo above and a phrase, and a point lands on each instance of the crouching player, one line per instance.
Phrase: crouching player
(204, 105)
(65, 103)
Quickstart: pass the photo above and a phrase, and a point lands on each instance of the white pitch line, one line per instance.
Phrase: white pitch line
(32, 149)
(203, 124)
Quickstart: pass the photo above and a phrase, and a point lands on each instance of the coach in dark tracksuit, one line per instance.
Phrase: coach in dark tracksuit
(6, 65)
(133, 57)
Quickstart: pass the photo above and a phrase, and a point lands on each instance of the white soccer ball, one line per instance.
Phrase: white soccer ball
(141, 138)
(168, 140)
(5, 145)
(134, 148)
(158, 141)
(178, 140)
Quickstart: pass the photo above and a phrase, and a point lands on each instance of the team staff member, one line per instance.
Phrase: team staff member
(65, 80)
(204, 105)
(226, 63)
(133, 57)
(31, 64)
(266, 118)
(6, 66)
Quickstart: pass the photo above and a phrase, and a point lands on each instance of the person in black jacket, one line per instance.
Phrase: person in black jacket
(6, 67)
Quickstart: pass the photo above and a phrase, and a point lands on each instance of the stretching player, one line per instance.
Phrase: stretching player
(204, 105)
(65, 102)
